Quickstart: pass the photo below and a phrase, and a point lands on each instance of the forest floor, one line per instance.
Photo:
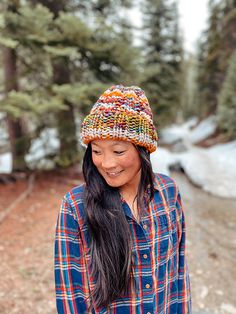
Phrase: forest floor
(27, 242)
(28, 213)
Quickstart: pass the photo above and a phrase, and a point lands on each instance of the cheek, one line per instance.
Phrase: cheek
(96, 160)
(131, 162)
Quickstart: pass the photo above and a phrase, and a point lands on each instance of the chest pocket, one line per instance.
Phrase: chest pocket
(166, 236)
(162, 238)
(174, 232)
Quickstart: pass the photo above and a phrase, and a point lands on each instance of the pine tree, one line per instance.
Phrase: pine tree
(215, 51)
(227, 100)
(189, 101)
(113, 58)
(163, 56)
(228, 29)
(68, 153)
(209, 74)
(64, 63)
(19, 142)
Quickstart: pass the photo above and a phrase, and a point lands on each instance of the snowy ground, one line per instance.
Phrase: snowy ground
(213, 169)
(189, 131)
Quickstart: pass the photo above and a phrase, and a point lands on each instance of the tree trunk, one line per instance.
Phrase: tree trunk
(66, 118)
(55, 6)
(18, 140)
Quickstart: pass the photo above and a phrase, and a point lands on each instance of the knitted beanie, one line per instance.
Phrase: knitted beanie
(121, 113)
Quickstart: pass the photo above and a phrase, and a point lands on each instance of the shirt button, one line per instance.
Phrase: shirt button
(145, 256)
(145, 227)
(147, 286)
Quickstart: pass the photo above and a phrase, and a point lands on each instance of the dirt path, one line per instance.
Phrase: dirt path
(211, 234)
(27, 235)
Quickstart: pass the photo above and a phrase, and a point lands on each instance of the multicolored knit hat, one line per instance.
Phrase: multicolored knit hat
(121, 113)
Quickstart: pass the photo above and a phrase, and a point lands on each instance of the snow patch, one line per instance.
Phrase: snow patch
(189, 131)
(203, 130)
(176, 132)
(46, 144)
(228, 308)
(212, 169)
(161, 160)
(6, 163)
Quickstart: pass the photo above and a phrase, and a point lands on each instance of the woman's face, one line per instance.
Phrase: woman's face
(117, 161)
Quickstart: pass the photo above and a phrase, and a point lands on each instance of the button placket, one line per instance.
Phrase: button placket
(145, 226)
(145, 256)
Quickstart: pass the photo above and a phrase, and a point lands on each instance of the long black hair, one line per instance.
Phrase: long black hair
(111, 245)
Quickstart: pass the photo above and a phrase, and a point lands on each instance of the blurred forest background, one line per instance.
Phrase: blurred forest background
(58, 56)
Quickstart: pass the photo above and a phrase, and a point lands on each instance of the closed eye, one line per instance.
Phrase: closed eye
(119, 152)
(96, 152)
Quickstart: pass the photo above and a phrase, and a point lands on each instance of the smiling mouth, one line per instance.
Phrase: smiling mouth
(113, 174)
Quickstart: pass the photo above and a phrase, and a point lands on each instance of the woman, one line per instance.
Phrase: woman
(120, 237)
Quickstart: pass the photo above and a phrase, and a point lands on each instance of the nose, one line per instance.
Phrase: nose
(108, 162)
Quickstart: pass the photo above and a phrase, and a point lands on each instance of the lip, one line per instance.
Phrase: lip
(113, 174)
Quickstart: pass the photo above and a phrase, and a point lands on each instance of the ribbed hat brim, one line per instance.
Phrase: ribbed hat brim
(135, 128)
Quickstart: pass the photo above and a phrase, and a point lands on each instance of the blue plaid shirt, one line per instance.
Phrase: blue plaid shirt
(159, 270)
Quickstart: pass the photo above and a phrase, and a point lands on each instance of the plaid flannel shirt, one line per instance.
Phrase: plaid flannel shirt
(159, 269)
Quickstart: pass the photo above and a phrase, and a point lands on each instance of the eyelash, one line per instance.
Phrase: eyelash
(96, 152)
(119, 152)
(116, 152)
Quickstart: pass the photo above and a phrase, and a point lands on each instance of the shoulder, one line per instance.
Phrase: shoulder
(74, 199)
(164, 181)
(75, 194)
(166, 184)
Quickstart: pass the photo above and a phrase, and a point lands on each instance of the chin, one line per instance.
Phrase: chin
(114, 184)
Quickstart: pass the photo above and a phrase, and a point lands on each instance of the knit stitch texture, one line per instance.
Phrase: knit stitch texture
(121, 113)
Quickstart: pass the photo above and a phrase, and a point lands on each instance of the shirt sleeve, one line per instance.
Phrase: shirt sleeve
(184, 294)
(69, 264)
